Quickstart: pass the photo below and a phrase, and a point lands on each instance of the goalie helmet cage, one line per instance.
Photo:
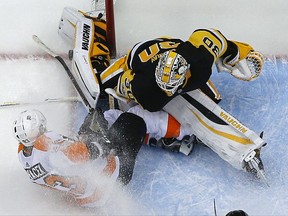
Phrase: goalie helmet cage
(108, 7)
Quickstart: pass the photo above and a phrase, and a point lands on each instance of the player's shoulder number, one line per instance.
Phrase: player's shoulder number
(152, 52)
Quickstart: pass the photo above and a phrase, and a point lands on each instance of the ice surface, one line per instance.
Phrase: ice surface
(163, 183)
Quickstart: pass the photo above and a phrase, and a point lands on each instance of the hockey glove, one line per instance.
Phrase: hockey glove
(95, 150)
(245, 65)
(247, 69)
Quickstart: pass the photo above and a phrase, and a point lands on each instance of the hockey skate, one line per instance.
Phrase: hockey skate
(94, 127)
(185, 146)
(253, 164)
(98, 123)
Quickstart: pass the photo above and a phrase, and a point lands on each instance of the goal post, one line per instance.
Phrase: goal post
(109, 7)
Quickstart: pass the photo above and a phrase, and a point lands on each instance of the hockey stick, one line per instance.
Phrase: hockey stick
(215, 211)
(47, 100)
(68, 71)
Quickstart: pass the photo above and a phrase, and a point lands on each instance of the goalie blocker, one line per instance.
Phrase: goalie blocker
(90, 53)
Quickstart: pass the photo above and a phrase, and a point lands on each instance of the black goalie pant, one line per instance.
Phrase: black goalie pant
(127, 135)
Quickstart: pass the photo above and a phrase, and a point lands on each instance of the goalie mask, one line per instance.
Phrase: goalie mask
(28, 126)
(171, 71)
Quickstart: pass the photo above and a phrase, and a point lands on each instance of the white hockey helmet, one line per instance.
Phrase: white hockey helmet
(29, 125)
(171, 71)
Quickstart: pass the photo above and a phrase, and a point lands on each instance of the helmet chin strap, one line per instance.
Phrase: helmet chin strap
(169, 94)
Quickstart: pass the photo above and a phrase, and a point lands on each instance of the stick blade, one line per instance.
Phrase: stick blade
(43, 46)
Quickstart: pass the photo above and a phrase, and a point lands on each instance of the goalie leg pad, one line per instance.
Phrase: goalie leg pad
(100, 30)
(90, 54)
(82, 68)
(69, 19)
(231, 145)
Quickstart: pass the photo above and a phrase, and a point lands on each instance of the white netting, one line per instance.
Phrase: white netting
(98, 5)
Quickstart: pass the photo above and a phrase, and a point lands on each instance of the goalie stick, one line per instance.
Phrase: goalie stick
(68, 71)
(47, 100)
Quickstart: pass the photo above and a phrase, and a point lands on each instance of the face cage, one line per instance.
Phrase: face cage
(22, 138)
(170, 88)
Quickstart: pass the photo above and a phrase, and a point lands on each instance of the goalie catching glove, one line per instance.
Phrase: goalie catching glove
(246, 65)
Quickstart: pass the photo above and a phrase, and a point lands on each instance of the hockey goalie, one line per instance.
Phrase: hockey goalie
(171, 75)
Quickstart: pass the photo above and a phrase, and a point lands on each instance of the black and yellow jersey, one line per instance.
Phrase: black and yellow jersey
(137, 69)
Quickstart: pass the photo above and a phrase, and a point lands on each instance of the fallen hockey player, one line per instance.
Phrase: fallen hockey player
(56, 161)
(172, 75)
(85, 171)
(108, 145)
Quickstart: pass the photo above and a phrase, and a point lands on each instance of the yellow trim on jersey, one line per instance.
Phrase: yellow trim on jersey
(124, 84)
(234, 138)
(211, 39)
(113, 70)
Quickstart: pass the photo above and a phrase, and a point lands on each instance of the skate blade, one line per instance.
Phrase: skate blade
(260, 173)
